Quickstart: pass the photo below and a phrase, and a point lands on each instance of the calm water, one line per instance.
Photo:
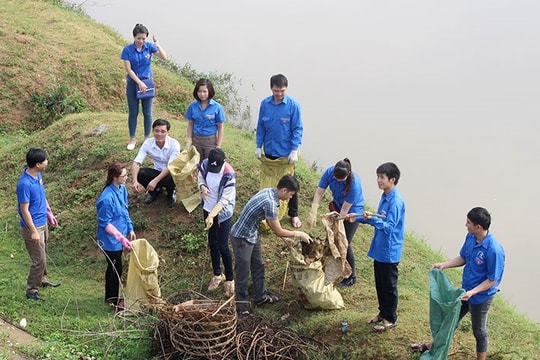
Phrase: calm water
(447, 90)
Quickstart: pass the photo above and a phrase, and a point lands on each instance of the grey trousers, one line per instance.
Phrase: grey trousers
(38, 257)
(248, 260)
(479, 317)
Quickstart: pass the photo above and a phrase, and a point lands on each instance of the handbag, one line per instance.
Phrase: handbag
(149, 82)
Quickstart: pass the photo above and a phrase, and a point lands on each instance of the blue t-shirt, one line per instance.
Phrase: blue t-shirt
(263, 205)
(112, 208)
(31, 190)
(140, 60)
(205, 121)
(483, 261)
(387, 243)
(279, 128)
(354, 196)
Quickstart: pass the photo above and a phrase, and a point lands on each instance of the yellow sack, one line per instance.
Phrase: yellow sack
(271, 172)
(336, 266)
(142, 279)
(308, 281)
(184, 173)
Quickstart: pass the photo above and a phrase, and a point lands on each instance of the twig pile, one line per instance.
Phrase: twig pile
(202, 328)
(253, 341)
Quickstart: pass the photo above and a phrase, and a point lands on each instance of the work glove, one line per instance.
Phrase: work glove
(51, 219)
(312, 218)
(113, 231)
(189, 142)
(209, 221)
(302, 236)
(258, 153)
(293, 157)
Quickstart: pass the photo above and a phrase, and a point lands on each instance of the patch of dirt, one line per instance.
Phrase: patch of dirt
(12, 336)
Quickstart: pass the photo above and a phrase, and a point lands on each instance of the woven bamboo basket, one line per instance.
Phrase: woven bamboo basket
(203, 328)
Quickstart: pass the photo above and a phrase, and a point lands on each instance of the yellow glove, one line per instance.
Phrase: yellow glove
(312, 219)
(209, 221)
(302, 236)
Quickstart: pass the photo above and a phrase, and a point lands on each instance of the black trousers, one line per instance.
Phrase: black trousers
(113, 275)
(146, 175)
(386, 279)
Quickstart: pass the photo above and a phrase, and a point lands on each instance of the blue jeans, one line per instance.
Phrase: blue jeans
(218, 242)
(133, 108)
(479, 316)
(350, 230)
(248, 259)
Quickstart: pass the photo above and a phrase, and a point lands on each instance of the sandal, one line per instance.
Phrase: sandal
(267, 299)
(375, 320)
(295, 222)
(385, 325)
(420, 347)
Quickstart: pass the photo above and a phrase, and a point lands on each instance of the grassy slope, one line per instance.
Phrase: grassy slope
(74, 318)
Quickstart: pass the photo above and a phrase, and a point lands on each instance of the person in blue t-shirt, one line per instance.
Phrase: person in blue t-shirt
(483, 259)
(137, 59)
(386, 245)
(205, 119)
(347, 198)
(279, 131)
(35, 214)
(115, 228)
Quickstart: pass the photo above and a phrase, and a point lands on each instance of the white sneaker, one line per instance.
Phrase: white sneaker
(214, 283)
(130, 146)
(229, 288)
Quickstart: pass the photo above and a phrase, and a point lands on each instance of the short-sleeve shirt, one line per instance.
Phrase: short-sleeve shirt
(354, 196)
(140, 60)
(161, 156)
(263, 205)
(32, 191)
(483, 261)
(205, 121)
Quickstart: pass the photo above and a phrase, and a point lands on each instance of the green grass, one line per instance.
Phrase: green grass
(74, 323)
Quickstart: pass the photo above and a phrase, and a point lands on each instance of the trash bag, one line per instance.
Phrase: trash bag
(142, 280)
(183, 170)
(444, 308)
(336, 266)
(271, 172)
(308, 281)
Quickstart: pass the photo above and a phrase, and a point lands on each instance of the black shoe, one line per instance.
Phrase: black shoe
(171, 200)
(34, 296)
(350, 281)
(51, 284)
(151, 197)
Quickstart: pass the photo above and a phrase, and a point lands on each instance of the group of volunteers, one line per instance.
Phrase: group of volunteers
(278, 138)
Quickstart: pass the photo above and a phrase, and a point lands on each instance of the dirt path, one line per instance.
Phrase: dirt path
(11, 336)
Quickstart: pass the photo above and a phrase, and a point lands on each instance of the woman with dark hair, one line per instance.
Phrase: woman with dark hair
(114, 228)
(348, 198)
(137, 59)
(205, 119)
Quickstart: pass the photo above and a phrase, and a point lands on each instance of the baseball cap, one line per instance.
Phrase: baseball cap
(216, 158)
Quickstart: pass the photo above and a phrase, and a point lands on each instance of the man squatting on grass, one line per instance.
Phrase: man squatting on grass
(246, 241)
(483, 259)
(35, 213)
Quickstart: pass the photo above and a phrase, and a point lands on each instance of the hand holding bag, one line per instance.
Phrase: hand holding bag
(149, 82)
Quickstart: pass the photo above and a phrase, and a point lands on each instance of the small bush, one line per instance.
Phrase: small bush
(52, 104)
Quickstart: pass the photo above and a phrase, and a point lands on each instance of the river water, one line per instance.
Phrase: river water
(446, 90)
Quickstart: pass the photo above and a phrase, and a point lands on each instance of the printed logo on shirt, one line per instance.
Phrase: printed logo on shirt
(148, 56)
(284, 120)
(210, 116)
(479, 258)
